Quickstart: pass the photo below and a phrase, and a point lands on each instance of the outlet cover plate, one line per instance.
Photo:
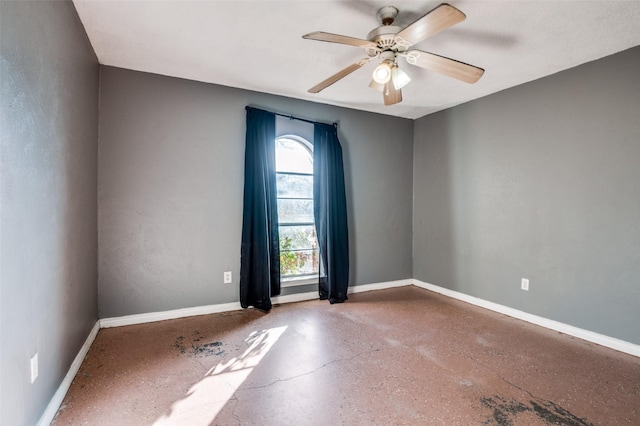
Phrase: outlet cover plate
(227, 277)
(525, 284)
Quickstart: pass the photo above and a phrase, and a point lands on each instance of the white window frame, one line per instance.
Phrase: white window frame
(302, 279)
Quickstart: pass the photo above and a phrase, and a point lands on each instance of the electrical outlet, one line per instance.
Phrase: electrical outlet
(227, 277)
(34, 367)
(525, 284)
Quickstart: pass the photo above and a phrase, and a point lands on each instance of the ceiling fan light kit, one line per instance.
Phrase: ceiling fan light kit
(399, 77)
(388, 42)
(382, 73)
(376, 86)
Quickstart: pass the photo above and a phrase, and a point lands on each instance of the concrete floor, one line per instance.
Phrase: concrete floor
(388, 357)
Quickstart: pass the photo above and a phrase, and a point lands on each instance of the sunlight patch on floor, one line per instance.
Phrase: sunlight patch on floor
(206, 398)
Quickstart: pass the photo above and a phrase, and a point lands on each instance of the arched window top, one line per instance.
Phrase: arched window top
(299, 258)
(294, 155)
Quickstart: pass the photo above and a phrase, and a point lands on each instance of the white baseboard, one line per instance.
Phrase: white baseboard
(166, 315)
(235, 306)
(58, 397)
(590, 336)
(297, 297)
(379, 286)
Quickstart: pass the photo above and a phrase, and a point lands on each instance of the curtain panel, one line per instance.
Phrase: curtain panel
(260, 251)
(330, 213)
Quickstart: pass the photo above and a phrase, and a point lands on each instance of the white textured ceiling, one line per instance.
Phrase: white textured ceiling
(258, 45)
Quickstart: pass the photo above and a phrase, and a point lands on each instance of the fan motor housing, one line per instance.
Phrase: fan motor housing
(384, 36)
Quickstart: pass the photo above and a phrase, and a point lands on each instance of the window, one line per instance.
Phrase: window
(299, 257)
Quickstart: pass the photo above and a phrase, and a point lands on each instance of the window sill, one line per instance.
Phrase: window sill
(298, 281)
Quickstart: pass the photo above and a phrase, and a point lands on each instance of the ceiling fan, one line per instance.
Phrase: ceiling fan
(388, 42)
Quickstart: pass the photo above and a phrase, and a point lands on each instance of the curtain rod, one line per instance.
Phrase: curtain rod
(291, 117)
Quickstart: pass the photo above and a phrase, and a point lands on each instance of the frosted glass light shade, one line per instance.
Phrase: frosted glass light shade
(399, 78)
(382, 73)
(376, 86)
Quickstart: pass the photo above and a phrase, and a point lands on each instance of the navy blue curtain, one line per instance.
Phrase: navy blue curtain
(260, 250)
(330, 213)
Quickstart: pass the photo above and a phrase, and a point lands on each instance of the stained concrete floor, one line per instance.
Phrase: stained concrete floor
(387, 357)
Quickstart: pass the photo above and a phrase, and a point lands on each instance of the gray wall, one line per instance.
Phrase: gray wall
(48, 209)
(540, 181)
(171, 181)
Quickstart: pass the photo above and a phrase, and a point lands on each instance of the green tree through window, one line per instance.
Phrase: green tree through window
(294, 180)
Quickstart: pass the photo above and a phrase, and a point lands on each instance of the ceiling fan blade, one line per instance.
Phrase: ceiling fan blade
(337, 38)
(436, 20)
(391, 94)
(449, 67)
(337, 76)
